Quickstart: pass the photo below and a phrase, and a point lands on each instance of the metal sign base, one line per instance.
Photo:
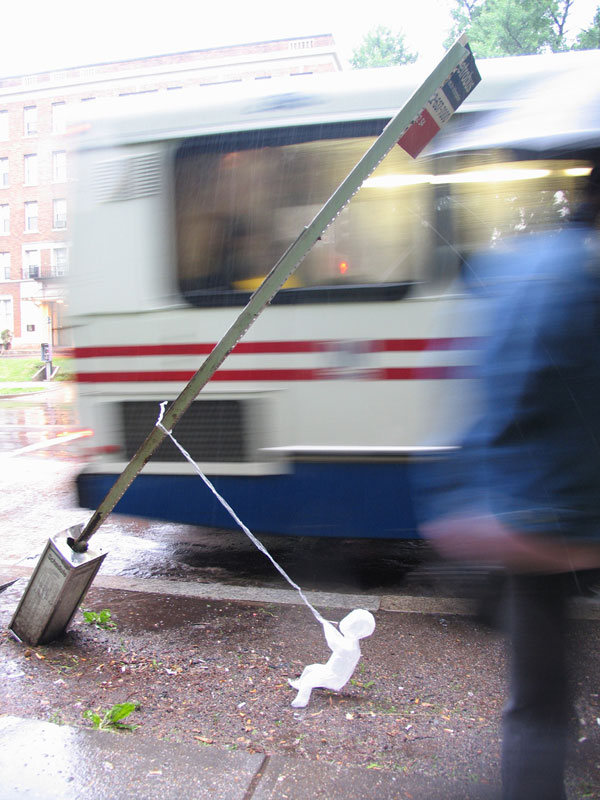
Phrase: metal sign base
(55, 590)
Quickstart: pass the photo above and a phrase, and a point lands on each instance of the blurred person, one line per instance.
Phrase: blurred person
(524, 489)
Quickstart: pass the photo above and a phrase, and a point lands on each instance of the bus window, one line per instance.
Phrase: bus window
(239, 207)
(493, 201)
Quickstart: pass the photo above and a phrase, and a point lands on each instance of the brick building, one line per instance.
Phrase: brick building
(35, 172)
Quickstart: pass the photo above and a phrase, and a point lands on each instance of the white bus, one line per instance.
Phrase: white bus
(362, 363)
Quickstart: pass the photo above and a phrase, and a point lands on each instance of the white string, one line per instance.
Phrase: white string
(228, 508)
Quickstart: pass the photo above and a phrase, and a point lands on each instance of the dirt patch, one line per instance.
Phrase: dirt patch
(426, 697)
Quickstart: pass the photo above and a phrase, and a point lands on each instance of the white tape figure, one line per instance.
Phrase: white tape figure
(345, 656)
(344, 643)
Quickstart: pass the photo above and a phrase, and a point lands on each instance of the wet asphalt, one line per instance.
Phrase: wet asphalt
(151, 561)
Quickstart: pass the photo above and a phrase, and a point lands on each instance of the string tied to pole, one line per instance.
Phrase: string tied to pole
(257, 543)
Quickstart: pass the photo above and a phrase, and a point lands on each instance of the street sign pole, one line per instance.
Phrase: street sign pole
(412, 127)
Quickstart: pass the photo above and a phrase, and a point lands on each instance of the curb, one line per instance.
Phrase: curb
(581, 608)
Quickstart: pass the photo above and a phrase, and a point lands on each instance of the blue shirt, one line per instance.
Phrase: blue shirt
(534, 456)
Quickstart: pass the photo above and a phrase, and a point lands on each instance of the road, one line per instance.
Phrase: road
(40, 463)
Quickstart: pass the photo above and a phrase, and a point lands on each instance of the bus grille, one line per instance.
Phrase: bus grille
(210, 430)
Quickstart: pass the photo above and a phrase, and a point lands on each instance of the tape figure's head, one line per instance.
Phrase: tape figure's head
(358, 624)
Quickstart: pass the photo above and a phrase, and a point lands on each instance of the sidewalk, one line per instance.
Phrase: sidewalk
(214, 660)
(42, 761)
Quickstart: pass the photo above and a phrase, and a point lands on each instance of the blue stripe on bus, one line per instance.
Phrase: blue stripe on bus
(354, 500)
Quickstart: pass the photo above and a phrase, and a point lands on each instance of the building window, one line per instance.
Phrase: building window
(60, 264)
(31, 217)
(3, 125)
(31, 170)
(6, 313)
(59, 117)
(5, 266)
(30, 127)
(31, 264)
(59, 213)
(3, 172)
(4, 219)
(59, 166)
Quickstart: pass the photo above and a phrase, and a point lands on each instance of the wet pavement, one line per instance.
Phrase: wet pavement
(420, 722)
(27, 419)
(38, 501)
(163, 578)
(40, 761)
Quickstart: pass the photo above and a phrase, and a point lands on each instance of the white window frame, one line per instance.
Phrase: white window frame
(31, 220)
(4, 219)
(4, 174)
(7, 319)
(28, 266)
(30, 121)
(59, 220)
(30, 169)
(3, 125)
(4, 266)
(59, 166)
(59, 119)
(59, 269)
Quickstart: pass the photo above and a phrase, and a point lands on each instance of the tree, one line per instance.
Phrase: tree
(462, 16)
(590, 38)
(512, 27)
(382, 48)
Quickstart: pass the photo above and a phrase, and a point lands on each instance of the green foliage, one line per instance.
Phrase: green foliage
(382, 48)
(589, 39)
(112, 719)
(514, 27)
(101, 619)
(462, 16)
(23, 369)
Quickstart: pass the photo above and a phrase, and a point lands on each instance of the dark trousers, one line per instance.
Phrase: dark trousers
(537, 713)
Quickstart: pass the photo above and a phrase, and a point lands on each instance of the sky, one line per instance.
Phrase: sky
(40, 35)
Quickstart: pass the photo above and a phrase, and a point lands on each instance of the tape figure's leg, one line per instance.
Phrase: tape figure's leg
(303, 696)
(306, 673)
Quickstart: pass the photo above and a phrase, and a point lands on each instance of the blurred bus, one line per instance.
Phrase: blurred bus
(363, 362)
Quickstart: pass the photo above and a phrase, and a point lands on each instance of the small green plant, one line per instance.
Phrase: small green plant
(112, 718)
(366, 685)
(100, 619)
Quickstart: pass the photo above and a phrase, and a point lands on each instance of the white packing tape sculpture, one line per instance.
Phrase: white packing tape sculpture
(345, 655)
(343, 643)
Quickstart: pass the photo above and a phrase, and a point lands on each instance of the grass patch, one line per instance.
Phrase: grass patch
(23, 369)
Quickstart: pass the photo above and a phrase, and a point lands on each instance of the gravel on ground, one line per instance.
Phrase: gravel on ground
(426, 697)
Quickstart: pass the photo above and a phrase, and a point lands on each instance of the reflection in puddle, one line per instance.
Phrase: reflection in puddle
(30, 419)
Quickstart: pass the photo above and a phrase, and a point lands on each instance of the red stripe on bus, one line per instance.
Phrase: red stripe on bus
(259, 375)
(186, 375)
(426, 373)
(414, 345)
(249, 348)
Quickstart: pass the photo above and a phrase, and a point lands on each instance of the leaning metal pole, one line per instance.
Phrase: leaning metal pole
(282, 270)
